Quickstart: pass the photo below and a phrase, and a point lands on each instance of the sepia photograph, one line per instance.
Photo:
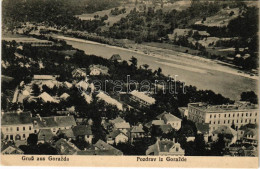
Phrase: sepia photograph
(128, 83)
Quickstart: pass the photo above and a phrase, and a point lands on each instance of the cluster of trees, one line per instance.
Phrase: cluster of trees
(118, 11)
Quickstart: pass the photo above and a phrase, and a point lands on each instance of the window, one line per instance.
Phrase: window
(224, 121)
(228, 115)
(6, 129)
(23, 128)
(237, 114)
(7, 137)
(255, 120)
(209, 122)
(218, 122)
(246, 120)
(233, 115)
(218, 115)
(228, 121)
(225, 115)
(35, 131)
(214, 122)
(210, 116)
(250, 121)
(214, 116)
(242, 114)
(11, 137)
(17, 128)
(241, 121)
(30, 128)
(23, 135)
(237, 121)
(177, 148)
(255, 114)
(250, 114)
(246, 114)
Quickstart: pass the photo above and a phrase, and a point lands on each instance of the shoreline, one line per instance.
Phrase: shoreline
(172, 56)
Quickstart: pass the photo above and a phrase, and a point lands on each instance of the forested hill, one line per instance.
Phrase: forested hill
(51, 10)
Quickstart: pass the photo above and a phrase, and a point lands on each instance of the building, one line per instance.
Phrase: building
(230, 135)
(168, 118)
(45, 135)
(239, 114)
(103, 146)
(136, 133)
(116, 57)
(98, 70)
(54, 123)
(203, 129)
(142, 98)
(165, 147)
(44, 77)
(10, 149)
(30, 41)
(116, 137)
(16, 125)
(79, 73)
(65, 147)
(84, 132)
(183, 111)
(109, 100)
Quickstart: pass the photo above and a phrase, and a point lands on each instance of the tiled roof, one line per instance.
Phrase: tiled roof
(45, 134)
(66, 147)
(14, 118)
(169, 117)
(54, 121)
(123, 125)
(81, 130)
(110, 100)
(64, 96)
(143, 97)
(137, 129)
(67, 132)
(117, 120)
(47, 98)
(166, 128)
(101, 145)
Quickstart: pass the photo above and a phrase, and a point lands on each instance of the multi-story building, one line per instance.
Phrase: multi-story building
(141, 98)
(16, 125)
(239, 114)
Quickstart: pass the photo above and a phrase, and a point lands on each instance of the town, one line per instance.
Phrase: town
(57, 99)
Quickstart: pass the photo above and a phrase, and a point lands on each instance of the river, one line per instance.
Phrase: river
(190, 69)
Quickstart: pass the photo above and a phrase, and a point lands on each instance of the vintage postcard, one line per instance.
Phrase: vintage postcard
(130, 83)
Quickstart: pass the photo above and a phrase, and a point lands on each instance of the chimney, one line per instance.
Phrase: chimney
(173, 140)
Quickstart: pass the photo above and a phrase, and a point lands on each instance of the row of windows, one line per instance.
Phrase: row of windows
(12, 137)
(232, 121)
(18, 128)
(230, 115)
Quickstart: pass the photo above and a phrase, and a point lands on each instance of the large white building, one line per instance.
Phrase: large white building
(239, 114)
(16, 125)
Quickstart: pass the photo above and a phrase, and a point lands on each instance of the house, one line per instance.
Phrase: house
(54, 123)
(44, 77)
(79, 73)
(67, 133)
(45, 97)
(117, 120)
(65, 147)
(84, 132)
(165, 147)
(250, 137)
(136, 133)
(230, 135)
(98, 70)
(67, 85)
(242, 129)
(124, 126)
(116, 137)
(141, 98)
(16, 125)
(101, 145)
(109, 100)
(155, 123)
(7, 148)
(183, 111)
(203, 129)
(64, 96)
(45, 135)
(168, 118)
(165, 128)
(116, 57)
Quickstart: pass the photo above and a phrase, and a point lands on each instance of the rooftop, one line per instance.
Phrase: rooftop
(143, 97)
(101, 145)
(45, 134)
(43, 77)
(224, 108)
(15, 118)
(82, 130)
(54, 121)
(110, 100)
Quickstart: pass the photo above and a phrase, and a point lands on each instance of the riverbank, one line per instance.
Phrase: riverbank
(171, 55)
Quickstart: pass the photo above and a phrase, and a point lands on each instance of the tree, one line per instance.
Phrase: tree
(249, 96)
(32, 139)
(217, 148)
(35, 90)
(159, 71)
(133, 61)
(146, 66)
